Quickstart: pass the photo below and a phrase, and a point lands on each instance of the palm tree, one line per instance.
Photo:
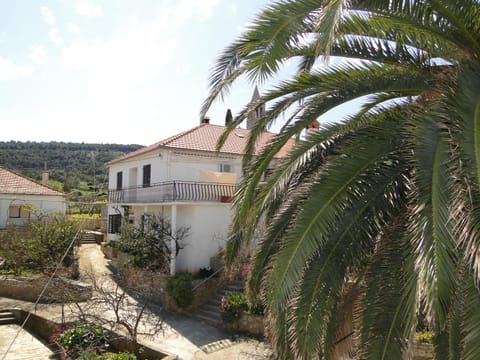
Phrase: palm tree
(380, 212)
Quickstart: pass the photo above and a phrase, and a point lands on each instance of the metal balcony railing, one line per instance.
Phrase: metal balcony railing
(173, 191)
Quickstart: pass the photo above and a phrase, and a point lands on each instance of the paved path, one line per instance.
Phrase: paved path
(183, 336)
(25, 346)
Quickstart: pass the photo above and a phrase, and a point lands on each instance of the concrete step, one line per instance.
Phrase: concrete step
(212, 306)
(7, 321)
(88, 238)
(209, 312)
(7, 317)
(209, 318)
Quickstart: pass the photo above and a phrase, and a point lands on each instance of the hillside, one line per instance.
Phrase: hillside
(71, 165)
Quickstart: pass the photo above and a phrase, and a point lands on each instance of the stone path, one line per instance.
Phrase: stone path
(183, 336)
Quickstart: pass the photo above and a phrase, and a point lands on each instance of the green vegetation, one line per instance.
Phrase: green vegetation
(38, 246)
(179, 287)
(87, 342)
(76, 168)
(149, 243)
(82, 338)
(424, 336)
(370, 217)
(108, 356)
(233, 304)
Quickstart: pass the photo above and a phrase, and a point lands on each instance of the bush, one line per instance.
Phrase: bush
(123, 356)
(236, 303)
(205, 272)
(233, 304)
(39, 245)
(424, 336)
(109, 356)
(179, 287)
(82, 338)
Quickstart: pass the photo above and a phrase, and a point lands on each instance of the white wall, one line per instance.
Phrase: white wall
(208, 223)
(188, 168)
(131, 167)
(169, 165)
(208, 231)
(45, 204)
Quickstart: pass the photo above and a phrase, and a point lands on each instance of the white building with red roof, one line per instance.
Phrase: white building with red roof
(185, 179)
(20, 195)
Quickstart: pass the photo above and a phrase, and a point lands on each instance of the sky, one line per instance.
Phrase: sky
(113, 71)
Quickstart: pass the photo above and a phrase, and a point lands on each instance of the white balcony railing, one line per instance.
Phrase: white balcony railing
(173, 191)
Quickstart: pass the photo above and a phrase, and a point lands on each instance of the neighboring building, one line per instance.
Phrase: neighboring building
(186, 180)
(19, 196)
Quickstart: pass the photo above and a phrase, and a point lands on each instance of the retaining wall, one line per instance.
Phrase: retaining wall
(29, 289)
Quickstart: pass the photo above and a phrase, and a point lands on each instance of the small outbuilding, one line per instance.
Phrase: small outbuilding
(20, 196)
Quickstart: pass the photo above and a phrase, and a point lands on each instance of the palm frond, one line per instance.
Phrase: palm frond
(330, 197)
(390, 298)
(432, 225)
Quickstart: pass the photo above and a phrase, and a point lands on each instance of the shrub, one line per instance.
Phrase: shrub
(179, 287)
(424, 336)
(109, 356)
(233, 304)
(205, 272)
(82, 338)
(123, 356)
(39, 245)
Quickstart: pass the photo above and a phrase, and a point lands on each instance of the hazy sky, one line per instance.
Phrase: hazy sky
(113, 71)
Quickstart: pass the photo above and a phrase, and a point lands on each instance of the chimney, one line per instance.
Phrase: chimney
(228, 117)
(45, 175)
(205, 120)
(314, 125)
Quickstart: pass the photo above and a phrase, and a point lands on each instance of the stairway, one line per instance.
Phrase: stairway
(88, 238)
(209, 312)
(7, 317)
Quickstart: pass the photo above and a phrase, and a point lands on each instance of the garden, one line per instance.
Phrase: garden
(43, 245)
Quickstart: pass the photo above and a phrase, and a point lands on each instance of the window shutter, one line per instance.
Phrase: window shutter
(147, 171)
(119, 180)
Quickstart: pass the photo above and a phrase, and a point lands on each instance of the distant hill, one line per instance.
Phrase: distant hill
(71, 165)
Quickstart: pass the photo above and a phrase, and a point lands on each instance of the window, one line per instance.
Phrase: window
(19, 212)
(147, 169)
(114, 223)
(225, 168)
(119, 180)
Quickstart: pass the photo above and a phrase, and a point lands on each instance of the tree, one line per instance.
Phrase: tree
(149, 243)
(384, 206)
(125, 309)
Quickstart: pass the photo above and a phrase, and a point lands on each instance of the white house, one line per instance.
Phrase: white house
(186, 180)
(20, 195)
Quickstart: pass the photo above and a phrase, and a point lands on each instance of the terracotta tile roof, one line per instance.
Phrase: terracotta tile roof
(205, 137)
(14, 183)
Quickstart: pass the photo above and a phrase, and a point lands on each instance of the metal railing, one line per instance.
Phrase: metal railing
(173, 191)
(204, 281)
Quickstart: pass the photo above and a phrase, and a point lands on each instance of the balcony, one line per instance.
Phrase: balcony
(174, 191)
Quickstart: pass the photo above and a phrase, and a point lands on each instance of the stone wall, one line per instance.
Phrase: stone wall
(88, 223)
(29, 289)
(37, 325)
(247, 323)
(154, 284)
(44, 328)
(423, 351)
